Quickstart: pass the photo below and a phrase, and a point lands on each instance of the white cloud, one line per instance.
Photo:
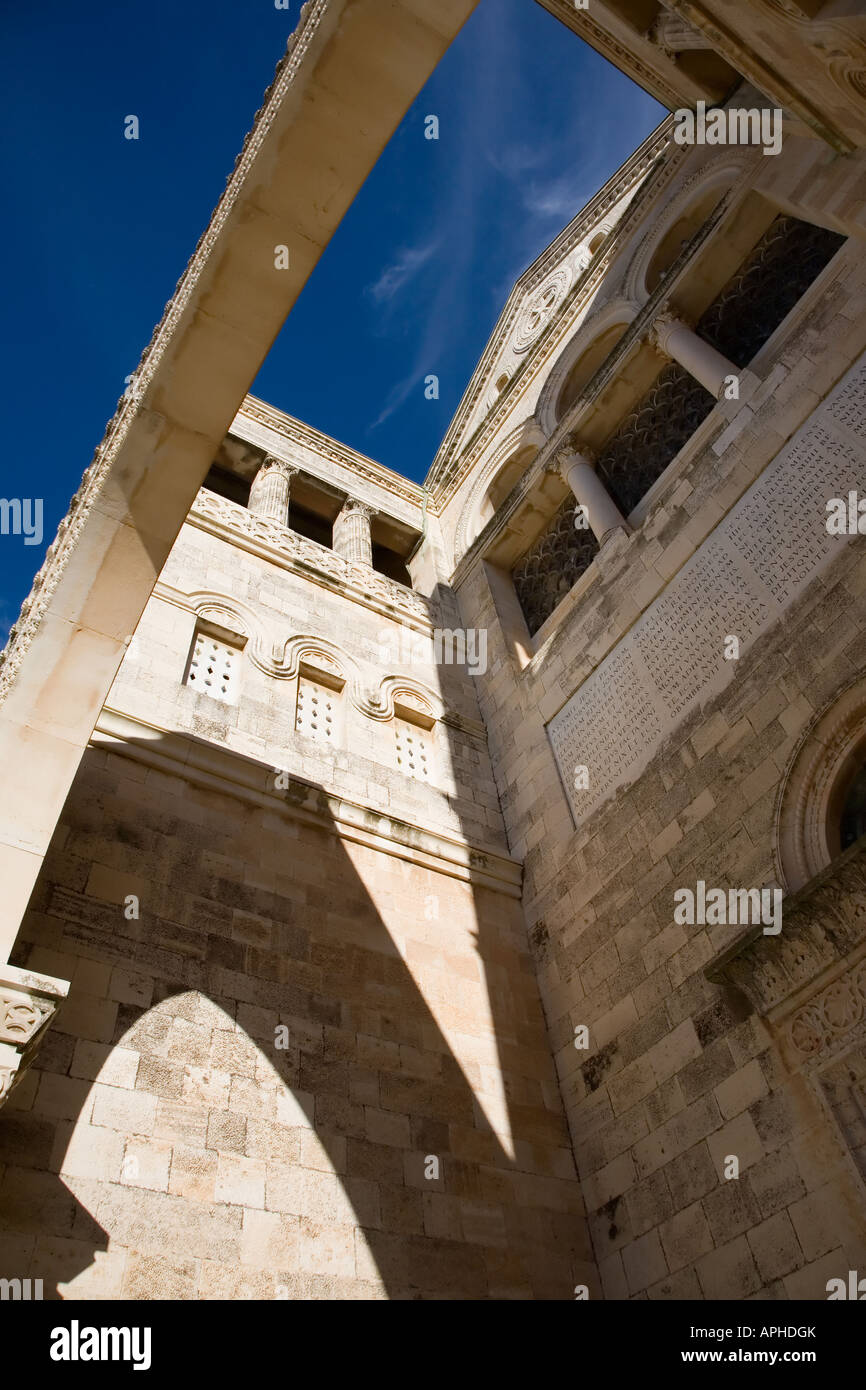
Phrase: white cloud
(401, 270)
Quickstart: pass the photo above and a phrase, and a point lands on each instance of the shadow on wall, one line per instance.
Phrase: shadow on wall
(170, 1149)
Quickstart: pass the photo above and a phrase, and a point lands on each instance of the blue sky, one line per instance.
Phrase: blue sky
(98, 229)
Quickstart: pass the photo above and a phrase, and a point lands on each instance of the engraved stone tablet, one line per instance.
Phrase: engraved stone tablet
(757, 560)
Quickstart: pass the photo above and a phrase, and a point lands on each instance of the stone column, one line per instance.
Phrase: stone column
(675, 339)
(352, 537)
(269, 494)
(577, 468)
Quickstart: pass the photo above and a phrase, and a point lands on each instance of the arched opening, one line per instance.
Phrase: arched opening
(850, 824)
(596, 242)
(681, 232)
(586, 366)
(823, 801)
(503, 482)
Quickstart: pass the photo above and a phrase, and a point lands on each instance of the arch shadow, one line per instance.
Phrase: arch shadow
(263, 915)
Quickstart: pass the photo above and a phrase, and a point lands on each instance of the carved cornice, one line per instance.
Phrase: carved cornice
(670, 88)
(811, 978)
(275, 542)
(209, 764)
(57, 557)
(28, 1004)
(328, 449)
(457, 456)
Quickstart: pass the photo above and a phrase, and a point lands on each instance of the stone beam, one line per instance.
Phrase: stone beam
(804, 55)
(352, 69)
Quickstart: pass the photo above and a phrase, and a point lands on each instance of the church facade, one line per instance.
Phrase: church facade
(462, 893)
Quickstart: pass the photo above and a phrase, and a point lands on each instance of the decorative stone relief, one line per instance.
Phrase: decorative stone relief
(831, 1014)
(824, 924)
(28, 1003)
(541, 309)
(354, 580)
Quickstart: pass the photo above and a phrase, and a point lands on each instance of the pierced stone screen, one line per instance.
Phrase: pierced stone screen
(214, 668)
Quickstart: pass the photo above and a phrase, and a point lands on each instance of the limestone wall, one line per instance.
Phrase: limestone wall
(164, 1146)
(682, 1071)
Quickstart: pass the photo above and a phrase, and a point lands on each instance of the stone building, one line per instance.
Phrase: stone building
(462, 892)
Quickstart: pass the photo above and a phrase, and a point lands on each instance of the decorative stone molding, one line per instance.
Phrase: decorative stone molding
(525, 435)
(303, 436)
(460, 450)
(95, 476)
(666, 87)
(28, 1003)
(210, 765)
(810, 980)
(265, 537)
(730, 173)
(615, 313)
(832, 743)
(282, 658)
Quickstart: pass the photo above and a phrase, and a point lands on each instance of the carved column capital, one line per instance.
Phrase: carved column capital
(567, 454)
(28, 1003)
(679, 341)
(270, 461)
(576, 466)
(354, 507)
(665, 323)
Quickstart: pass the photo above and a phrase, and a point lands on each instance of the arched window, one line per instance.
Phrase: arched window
(852, 820)
(499, 487)
(822, 809)
(586, 366)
